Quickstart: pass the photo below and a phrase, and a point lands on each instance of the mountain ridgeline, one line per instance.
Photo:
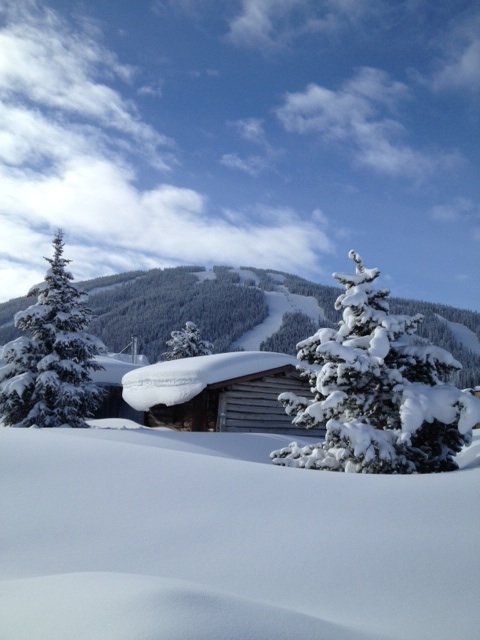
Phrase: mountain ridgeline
(226, 303)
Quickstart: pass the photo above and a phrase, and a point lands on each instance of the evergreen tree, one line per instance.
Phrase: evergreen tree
(46, 379)
(187, 343)
(384, 400)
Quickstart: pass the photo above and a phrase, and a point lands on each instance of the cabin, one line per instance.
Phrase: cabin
(234, 392)
(109, 378)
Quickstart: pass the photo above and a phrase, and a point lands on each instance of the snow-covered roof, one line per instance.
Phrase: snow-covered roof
(178, 381)
(115, 366)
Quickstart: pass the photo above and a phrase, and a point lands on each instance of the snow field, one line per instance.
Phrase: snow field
(115, 533)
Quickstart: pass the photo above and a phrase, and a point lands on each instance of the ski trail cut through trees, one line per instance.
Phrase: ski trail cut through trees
(279, 302)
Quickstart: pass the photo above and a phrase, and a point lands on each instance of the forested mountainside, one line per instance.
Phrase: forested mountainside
(226, 303)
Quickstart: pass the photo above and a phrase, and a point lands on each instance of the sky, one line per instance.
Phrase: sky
(268, 133)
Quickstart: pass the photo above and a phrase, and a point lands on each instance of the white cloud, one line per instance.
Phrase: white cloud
(320, 218)
(252, 165)
(154, 90)
(361, 116)
(67, 142)
(254, 26)
(56, 71)
(57, 74)
(251, 129)
(274, 24)
(460, 66)
(94, 199)
(116, 227)
(208, 73)
(459, 210)
(280, 238)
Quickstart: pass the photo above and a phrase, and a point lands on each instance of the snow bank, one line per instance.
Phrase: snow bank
(135, 607)
(135, 534)
(178, 381)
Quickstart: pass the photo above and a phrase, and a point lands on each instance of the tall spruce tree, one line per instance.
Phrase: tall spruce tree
(46, 380)
(187, 343)
(386, 403)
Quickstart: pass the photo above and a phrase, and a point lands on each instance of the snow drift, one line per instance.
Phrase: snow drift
(135, 533)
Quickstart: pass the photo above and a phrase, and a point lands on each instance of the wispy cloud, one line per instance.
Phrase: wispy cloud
(458, 210)
(59, 78)
(165, 226)
(463, 215)
(153, 89)
(272, 24)
(252, 130)
(459, 67)
(204, 73)
(253, 165)
(278, 229)
(362, 116)
(68, 140)
(254, 25)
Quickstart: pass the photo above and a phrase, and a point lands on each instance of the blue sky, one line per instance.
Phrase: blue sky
(269, 133)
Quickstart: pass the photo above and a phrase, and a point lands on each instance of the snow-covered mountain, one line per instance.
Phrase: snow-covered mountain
(242, 308)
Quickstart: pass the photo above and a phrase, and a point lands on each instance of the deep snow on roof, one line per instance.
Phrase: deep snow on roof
(115, 366)
(178, 381)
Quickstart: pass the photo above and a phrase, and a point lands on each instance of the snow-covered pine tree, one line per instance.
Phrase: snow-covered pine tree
(46, 379)
(386, 403)
(187, 343)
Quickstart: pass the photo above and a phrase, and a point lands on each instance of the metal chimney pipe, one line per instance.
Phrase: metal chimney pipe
(134, 349)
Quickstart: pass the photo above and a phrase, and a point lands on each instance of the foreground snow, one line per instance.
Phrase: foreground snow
(141, 534)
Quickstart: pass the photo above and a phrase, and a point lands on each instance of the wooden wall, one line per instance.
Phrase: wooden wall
(253, 406)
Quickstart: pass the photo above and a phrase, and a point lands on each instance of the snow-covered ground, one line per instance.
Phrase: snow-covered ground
(125, 534)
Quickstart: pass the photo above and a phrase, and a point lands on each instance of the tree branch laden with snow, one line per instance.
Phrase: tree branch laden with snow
(387, 405)
(46, 381)
(187, 343)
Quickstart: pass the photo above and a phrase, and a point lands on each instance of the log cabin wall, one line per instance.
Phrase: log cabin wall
(198, 414)
(253, 406)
